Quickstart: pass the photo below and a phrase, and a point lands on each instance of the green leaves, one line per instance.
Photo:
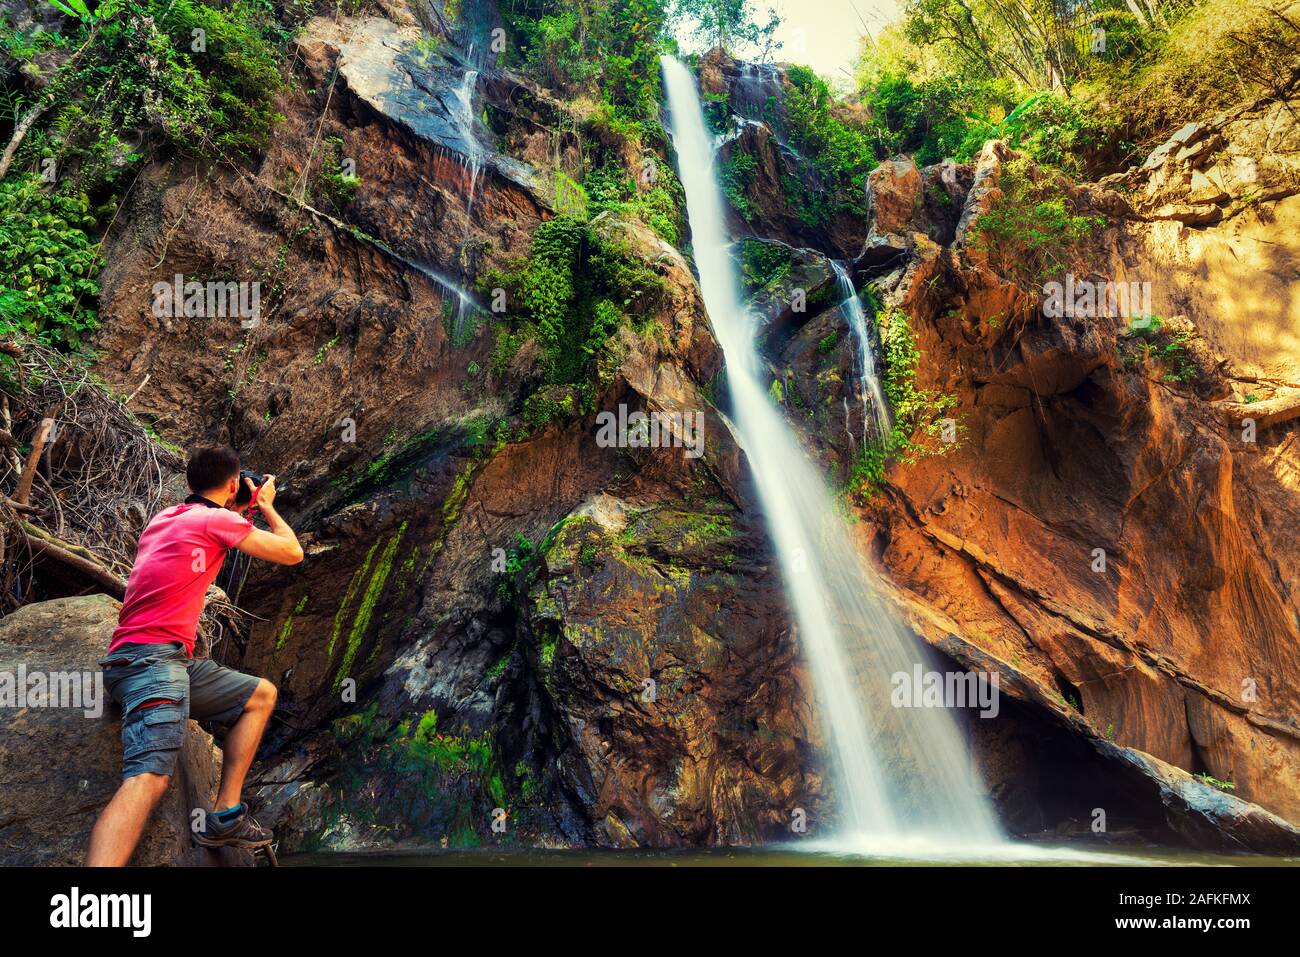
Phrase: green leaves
(1031, 234)
(843, 154)
(73, 8)
(47, 263)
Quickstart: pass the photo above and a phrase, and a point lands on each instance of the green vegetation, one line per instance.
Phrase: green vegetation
(137, 79)
(574, 291)
(917, 414)
(286, 629)
(1206, 778)
(734, 176)
(375, 588)
(730, 24)
(1031, 234)
(763, 263)
(657, 200)
(144, 67)
(449, 753)
(1083, 87)
(1151, 343)
(844, 153)
(334, 180)
(48, 262)
(519, 556)
(609, 49)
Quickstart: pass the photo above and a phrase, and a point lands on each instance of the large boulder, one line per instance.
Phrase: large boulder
(60, 765)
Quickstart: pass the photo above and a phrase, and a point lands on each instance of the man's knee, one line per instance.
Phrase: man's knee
(263, 697)
(148, 784)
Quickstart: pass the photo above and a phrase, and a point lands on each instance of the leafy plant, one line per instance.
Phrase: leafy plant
(48, 262)
(917, 414)
(574, 291)
(1031, 233)
(1151, 342)
(1206, 778)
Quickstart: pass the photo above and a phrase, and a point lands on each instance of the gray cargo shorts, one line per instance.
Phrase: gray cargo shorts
(158, 688)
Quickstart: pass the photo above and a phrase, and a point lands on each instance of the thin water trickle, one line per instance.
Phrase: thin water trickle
(875, 409)
(900, 773)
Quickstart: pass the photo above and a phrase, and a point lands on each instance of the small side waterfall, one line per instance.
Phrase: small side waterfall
(464, 118)
(465, 304)
(904, 779)
(875, 408)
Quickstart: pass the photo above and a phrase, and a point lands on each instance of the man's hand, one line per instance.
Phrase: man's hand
(266, 494)
(280, 544)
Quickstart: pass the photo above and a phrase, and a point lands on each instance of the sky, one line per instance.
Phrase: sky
(824, 34)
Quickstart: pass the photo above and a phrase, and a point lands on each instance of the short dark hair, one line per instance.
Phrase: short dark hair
(210, 466)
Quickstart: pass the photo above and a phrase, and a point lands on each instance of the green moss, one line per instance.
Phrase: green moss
(550, 641)
(353, 585)
(364, 612)
(287, 628)
(498, 669)
(397, 459)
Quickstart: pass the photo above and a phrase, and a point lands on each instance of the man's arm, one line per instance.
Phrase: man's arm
(279, 544)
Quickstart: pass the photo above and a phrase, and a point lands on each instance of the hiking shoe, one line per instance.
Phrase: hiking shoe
(243, 831)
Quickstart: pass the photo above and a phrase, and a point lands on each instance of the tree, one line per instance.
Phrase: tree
(729, 24)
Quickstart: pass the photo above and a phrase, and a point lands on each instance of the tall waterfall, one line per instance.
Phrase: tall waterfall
(903, 776)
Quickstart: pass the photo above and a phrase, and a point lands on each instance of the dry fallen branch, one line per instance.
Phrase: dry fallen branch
(90, 481)
(24, 489)
(73, 556)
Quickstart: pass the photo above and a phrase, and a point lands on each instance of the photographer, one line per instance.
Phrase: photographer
(150, 670)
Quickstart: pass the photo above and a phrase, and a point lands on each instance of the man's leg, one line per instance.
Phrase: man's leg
(149, 682)
(241, 705)
(240, 746)
(121, 824)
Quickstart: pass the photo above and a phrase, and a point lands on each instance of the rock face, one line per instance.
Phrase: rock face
(59, 766)
(1218, 207)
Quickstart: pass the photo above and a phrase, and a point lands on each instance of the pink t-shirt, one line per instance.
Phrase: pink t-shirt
(179, 556)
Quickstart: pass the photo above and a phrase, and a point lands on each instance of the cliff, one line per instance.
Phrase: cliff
(503, 618)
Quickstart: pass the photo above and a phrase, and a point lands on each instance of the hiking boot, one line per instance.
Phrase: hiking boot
(242, 831)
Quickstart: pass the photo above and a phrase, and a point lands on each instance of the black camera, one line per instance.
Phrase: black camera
(244, 496)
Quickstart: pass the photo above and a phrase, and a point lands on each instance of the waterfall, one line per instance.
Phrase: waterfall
(875, 409)
(903, 776)
(465, 304)
(464, 118)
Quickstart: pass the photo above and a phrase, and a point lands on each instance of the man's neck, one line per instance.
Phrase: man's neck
(197, 499)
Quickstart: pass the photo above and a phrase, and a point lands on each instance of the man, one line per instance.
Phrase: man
(150, 669)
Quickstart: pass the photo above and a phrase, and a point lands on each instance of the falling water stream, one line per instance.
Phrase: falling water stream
(875, 409)
(464, 118)
(904, 779)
